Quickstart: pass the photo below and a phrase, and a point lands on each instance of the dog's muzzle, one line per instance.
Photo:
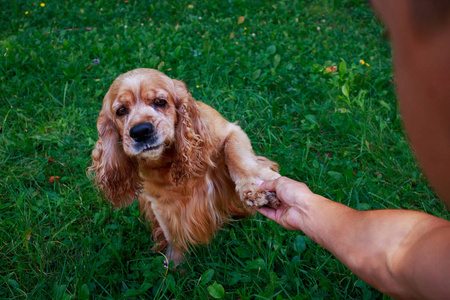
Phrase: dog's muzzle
(142, 133)
(145, 138)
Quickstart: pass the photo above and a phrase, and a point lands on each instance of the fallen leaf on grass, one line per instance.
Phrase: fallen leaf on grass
(26, 235)
(49, 159)
(53, 179)
(241, 19)
(331, 69)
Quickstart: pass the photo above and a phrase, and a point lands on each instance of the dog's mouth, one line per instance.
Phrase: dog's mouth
(148, 148)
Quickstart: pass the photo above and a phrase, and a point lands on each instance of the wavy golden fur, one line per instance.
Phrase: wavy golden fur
(189, 168)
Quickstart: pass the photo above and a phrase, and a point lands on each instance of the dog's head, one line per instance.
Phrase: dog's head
(142, 106)
(144, 115)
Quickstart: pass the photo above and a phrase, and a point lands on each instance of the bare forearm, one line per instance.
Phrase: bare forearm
(404, 254)
(375, 245)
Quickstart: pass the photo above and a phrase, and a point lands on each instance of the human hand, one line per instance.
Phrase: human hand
(294, 197)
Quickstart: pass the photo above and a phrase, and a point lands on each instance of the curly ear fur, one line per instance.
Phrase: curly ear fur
(193, 139)
(116, 173)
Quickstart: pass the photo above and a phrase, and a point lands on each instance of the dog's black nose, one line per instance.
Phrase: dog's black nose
(142, 132)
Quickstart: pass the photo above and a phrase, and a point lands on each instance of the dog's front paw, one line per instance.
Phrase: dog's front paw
(253, 195)
(274, 202)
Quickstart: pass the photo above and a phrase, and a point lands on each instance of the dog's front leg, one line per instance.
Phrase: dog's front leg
(161, 215)
(173, 254)
(248, 170)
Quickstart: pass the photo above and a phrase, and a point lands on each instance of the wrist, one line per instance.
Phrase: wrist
(321, 219)
(307, 212)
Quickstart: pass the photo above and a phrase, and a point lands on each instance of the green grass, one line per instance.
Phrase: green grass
(339, 132)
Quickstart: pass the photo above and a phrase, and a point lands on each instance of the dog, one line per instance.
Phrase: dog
(189, 168)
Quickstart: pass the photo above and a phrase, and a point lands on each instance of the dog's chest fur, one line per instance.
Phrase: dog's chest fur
(191, 213)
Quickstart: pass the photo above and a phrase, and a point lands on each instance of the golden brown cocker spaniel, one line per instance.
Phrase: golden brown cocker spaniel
(190, 169)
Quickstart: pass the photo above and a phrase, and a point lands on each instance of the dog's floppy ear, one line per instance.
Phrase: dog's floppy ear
(194, 143)
(116, 174)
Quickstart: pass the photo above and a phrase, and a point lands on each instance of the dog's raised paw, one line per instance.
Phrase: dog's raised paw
(274, 202)
(254, 197)
(258, 197)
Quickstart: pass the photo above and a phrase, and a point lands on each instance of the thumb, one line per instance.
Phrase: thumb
(269, 185)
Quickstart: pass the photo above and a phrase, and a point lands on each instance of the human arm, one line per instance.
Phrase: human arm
(404, 254)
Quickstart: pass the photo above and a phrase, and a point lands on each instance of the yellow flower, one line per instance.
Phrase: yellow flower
(26, 12)
(198, 86)
(362, 62)
(42, 4)
(367, 65)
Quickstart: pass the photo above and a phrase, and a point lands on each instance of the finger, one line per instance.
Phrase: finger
(266, 211)
(269, 185)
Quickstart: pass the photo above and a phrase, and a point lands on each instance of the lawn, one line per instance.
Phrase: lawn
(310, 82)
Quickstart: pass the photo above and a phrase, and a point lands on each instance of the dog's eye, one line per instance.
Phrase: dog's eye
(121, 111)
(160, 102)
